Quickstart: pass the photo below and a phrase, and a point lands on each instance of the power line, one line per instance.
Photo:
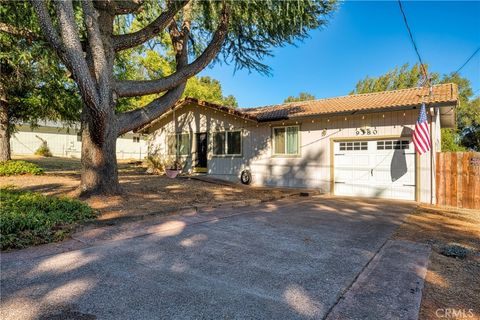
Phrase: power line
(413, 42)
(466, 62)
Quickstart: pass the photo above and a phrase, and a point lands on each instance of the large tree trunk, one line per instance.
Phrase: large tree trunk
(4, 128)
(99, 160)
(99, 125)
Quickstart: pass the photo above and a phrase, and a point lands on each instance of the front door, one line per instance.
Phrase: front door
(200, 164)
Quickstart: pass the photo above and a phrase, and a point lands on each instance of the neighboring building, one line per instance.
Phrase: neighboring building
(357, 145)
(64, 140)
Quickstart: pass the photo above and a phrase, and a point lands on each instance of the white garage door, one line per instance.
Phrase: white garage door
(379, 168)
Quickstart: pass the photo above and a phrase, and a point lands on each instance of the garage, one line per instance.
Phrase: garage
(375, 168)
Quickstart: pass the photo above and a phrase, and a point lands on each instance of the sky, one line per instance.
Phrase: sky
(362, 38)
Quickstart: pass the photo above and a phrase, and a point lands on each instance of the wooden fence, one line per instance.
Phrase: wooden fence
(458, 179)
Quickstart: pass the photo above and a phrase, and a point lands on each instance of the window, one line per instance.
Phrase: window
(179, 144)
(136, 139)
(354, 145)
(285, 140)
(227, 143)
(79, 137)
(394, 144)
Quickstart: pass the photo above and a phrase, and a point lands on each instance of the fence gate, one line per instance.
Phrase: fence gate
(458, 179)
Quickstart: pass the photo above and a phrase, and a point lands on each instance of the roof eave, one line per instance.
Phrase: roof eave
(361, 111)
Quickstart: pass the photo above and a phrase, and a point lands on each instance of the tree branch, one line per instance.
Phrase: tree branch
(131, 88)
(75, 56)
(135, 119)
(179, 38)
(49, 30)
(132, 120)
(119, 6)
(18, 32)
(97, 50)
(130, 40)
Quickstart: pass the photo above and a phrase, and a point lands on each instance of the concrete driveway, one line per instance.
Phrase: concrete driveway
(291, 259)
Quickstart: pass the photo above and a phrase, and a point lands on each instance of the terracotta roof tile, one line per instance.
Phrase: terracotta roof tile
(442, 93)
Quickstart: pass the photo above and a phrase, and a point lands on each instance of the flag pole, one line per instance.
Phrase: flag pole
(432, 162)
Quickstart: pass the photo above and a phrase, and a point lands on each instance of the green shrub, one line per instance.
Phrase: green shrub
(14, 167)
(155, 164)
(43, 150)
(29, 218)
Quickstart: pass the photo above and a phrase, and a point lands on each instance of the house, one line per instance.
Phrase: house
(356, 145)
(64, 140)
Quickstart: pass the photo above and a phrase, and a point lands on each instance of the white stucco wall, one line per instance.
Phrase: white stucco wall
(312, 169)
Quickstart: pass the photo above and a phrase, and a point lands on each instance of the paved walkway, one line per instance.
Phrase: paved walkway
(291, 259)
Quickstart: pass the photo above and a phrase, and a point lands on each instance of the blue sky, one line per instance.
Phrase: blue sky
(363, 38)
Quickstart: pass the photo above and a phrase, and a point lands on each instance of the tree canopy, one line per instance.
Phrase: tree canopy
(466, 136)
(302, 96)
(34, 84)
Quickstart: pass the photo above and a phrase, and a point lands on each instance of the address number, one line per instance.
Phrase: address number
(365, 131)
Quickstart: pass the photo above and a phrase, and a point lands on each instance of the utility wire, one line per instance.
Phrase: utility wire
(413, 42)
(466, 62)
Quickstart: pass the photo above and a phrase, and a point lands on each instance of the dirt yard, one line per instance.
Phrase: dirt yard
(143, 193)
(451, 282)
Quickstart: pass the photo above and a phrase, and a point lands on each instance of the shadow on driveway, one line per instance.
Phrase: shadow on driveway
(290, 259)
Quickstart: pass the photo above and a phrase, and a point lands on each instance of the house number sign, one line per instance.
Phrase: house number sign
(366, 131)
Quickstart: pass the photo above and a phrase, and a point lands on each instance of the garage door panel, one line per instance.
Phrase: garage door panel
(361, 175)
(343, 188)
(382, 191)
(386, 169)
(403, 193)
(343, 174)
(344, 161)
(361, 160)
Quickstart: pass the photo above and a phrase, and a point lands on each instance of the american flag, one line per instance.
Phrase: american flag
(421, 135)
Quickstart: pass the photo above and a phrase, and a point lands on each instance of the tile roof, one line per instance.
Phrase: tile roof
(442, 93)
(404, 98)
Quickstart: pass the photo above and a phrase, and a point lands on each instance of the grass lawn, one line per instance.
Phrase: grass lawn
(29, 218)
(450, 282)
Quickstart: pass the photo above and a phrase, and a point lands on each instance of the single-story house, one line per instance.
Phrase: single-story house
(355, 145)
(64, 140)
